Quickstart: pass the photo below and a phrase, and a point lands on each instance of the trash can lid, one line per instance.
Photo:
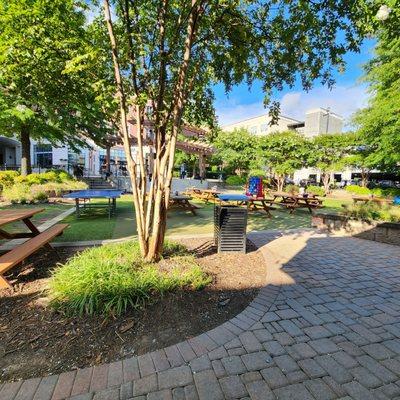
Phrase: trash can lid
(232, 197)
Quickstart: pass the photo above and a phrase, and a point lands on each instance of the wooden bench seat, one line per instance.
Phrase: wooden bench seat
(24, 250)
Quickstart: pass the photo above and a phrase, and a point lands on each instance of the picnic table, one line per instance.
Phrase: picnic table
(83, 199)
(255, 202)
(182, 202)
(293, 201)
(206, 195)
(369, 199)
(36, 240)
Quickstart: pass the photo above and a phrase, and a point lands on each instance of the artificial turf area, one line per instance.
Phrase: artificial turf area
(94, 224)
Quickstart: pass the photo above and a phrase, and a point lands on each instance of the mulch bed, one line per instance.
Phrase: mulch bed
(36, 341)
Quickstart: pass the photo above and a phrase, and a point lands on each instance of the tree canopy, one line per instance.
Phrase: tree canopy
(283, 153)
(236, 150)
(379, 122)
(42, 95)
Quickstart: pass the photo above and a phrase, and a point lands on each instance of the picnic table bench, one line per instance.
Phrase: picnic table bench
(36, 240)
(182, 202)
(293, 201)
(369, 199)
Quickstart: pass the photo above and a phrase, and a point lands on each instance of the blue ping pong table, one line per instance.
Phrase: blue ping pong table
(83, 197)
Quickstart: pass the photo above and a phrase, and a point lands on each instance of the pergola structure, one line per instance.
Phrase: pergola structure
(195, 146)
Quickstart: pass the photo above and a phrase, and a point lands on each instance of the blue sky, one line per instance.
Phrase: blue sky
(345, 98)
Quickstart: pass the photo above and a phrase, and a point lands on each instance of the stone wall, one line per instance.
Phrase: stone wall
(385, 232)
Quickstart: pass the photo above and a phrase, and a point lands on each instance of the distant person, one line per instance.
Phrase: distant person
(183, 171)
(303, 189)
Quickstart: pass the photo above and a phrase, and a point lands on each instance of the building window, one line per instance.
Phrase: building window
(43, 155)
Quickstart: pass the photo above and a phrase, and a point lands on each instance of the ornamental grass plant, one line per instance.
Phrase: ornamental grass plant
(113, 278)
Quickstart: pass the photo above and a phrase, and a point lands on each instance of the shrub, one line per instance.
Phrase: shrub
(113, 278)
(235, 180)
(372, 211)
(318, 190)
(17, 193)
(387, 192)
(23, 193)
(360, 190)
(57, 189)
(7, 178)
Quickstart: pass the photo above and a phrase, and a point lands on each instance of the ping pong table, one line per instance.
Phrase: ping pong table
(83, 199)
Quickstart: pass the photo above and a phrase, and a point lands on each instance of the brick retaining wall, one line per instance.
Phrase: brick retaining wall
(385, 232)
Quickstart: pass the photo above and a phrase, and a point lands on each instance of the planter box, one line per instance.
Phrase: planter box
(385, 232)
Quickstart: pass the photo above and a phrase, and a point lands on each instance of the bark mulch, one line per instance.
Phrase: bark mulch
(36, 341)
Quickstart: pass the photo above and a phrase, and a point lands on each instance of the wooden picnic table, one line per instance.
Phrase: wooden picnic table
(182, 202)
(369, 199)
(255, 202)
(206, 195)
(9, 216)
(293, 201)
(36, 240)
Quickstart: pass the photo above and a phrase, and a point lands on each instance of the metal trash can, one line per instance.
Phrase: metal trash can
(230, 223)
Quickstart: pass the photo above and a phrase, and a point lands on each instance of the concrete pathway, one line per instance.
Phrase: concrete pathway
(325, 326)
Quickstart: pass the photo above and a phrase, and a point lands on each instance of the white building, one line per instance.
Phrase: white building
(316, 122)
(44, 156)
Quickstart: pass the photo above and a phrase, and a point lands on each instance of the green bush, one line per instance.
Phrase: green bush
(7, 178)
(378, 192)
(23, 193)
(235, 180)
(360, 190)
(17, 193)
(372, 211)
(113, 278)
(388, 192)
(318, 190)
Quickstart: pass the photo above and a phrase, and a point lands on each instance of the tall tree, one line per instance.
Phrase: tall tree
(170, 52)
(283, 153)
(360, 156)
(379, 122)
(236, 150)
(328, 155)
(42, 95)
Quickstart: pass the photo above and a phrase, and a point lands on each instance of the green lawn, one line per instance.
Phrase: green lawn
(95, 224)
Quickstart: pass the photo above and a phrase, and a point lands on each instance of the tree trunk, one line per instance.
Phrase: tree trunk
(364, 177)
(280, 183)
(151, 205)
(26, 167)
(326, 180)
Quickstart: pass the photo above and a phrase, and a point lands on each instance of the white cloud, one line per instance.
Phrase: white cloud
(232, 112)
(343, 100)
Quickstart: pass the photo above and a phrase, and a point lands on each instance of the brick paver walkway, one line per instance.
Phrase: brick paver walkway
(326, 326)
